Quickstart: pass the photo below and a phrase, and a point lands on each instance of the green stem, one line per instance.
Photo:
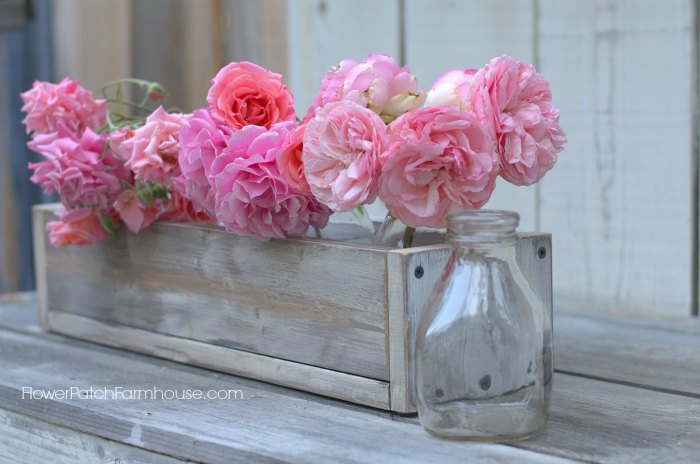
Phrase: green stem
(408, 236)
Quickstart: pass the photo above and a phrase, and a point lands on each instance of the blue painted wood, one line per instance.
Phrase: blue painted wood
(27, 58)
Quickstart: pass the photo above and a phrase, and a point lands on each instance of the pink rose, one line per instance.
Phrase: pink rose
(78, 227)
(289, 161)
(48, 104)
(135, 214)
(201, 140)
(440, 160)
(377, 83)
(181, 209)
(342, 146)
(252, 198)
(451, 89)
(516, 103)
(245, 94)
(152, 151)
(79, 168)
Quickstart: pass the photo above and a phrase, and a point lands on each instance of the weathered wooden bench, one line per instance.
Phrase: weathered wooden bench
(623, 392)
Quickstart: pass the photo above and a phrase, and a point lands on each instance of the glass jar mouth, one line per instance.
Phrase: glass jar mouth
(482, 227)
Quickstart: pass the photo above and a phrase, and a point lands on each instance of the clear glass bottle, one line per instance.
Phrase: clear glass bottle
(483, 347)
(352, 226)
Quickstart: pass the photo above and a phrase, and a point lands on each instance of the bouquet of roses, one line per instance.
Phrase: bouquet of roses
(246, 161)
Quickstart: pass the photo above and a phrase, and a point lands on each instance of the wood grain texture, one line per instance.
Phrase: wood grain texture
(405, 310)
(270, 423)
(325, 382)
(215, 287)
(25, 440)
(620, 200)
(629, 353)
(447, 34)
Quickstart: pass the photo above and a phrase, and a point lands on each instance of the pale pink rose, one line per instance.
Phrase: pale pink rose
(252, 198)
(152, 151)
(451, 89)
(289, 161)
(78, 227)
(181, 209)
(342, 146)
(377, 83)
(135, 214)
(440, 160)
(245, 94)
(201, 140)
(516, 103)
(117, 143)
(48, 104)
(78, 168)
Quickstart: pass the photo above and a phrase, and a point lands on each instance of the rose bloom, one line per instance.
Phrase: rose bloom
(152, 150)
(377, 83)
(289, 160)
(342, 146)
(48, 104)
(451, 89)
(79, 168)
(201, 140)
(516, 103)
(181, 209)
(134, 213)
(78, 227)
(252, 198)
(245, 94)
(440, 161)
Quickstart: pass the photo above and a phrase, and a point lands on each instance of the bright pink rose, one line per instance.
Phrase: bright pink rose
(134, 213)
(201, 140)
(440, 160)
(342, 146)
(48, 104)
(377, 83)
(516, 103)
(80, 169)
(245, 94)
(152, 151)
(451, 89)
(252, 198)
(78, 227)
(181, 209)
(289, 161)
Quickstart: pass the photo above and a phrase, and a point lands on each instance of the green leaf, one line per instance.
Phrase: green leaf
(106, 222)
(120, 99)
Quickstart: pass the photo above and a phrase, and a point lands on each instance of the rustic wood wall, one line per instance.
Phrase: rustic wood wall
(622, 202)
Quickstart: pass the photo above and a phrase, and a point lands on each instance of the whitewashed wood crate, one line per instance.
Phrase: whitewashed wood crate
(333, 318)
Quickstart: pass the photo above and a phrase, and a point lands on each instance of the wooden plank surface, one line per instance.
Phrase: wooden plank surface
(270, 424)
(620, 202)
(591, 420)
(26, 440)
(262, 297)
(662, 359)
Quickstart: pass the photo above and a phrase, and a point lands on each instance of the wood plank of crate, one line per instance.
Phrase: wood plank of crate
(259, 297)
(411, 277)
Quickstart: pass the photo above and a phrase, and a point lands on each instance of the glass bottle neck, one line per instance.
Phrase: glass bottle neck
(482, 230)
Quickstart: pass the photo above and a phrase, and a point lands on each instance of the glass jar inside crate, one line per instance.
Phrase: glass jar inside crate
(484, 341)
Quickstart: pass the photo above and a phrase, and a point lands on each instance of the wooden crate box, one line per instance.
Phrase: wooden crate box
(329, 317)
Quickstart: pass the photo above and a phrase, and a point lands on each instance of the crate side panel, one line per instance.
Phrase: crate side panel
(314, 303)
